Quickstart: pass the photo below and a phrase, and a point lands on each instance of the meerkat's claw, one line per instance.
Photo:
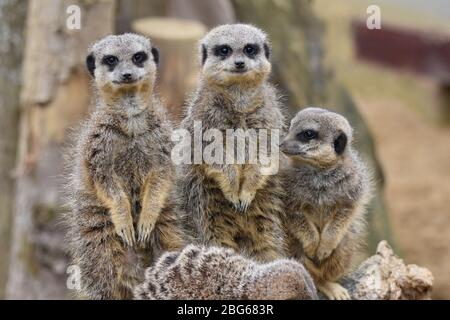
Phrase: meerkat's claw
(144, 230)
(234, 199)
(123, 224)
(323, 252)
(245, 200)
(127, 235)
(242, 207)
(310, 248)
(333, 290)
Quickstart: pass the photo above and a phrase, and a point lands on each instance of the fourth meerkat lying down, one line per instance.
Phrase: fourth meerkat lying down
(234, 205)
(213, 273)
(327, 190)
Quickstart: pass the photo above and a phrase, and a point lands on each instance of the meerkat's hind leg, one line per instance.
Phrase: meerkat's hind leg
(333, 290)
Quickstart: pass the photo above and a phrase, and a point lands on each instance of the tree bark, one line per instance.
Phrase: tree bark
(128, 11)
(55, 95)
(211, 12)
(12, 22)
(176, 40)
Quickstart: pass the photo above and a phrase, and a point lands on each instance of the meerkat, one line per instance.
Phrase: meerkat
(327, 190)
(199, 273)
(234, 205)
(121, 172)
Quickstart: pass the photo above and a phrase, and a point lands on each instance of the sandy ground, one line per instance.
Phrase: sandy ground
(416, 159)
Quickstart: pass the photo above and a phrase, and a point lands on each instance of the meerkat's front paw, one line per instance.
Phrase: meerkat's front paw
(310, 247)
(125, 231)
(333, 291)
(245, 200)
(324, 251)
(144, 230)
(233, 198)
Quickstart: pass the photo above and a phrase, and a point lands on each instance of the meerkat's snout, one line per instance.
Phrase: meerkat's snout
(292, 147)
(127, 78)
(239, 66)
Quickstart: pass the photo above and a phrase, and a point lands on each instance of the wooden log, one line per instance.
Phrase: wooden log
(385, 276)
(178, 71)
(402, 49)
(444, 102)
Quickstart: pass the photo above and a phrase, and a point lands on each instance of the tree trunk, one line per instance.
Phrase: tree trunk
(299, 71)
(128, 11)
(211, 12)
(55, 95)
(176, 40)
(12, 22)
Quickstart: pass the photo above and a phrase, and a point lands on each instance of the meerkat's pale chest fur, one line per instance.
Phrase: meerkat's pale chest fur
(234, 205)
(121, 173)
(327, 188)
(221, 274)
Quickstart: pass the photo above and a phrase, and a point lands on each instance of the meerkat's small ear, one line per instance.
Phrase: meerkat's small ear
(340, 143)
(267, 50)
(155, 53)
(90, 64)
(204, 54)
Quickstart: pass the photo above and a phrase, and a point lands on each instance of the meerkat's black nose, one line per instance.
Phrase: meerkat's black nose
(239, 64)
(127, 77)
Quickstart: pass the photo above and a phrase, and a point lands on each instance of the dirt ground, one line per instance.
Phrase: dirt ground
(415, 155)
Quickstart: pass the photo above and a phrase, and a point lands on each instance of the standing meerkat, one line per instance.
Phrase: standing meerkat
(213, 273)
(234, 205)
(327, 188)
(121, 172)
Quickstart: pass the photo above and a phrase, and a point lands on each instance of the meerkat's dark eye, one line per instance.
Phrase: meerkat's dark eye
(251, 50)
(340, 143)
(139, 58)
(110, 61)
(307, 135)
(223, 51)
